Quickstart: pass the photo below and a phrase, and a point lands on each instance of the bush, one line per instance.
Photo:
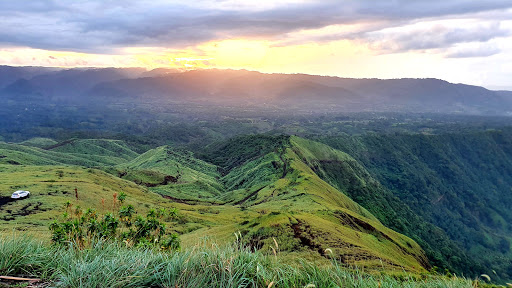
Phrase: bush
(84, 227)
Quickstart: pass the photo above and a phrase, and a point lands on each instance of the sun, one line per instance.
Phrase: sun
(237, 52)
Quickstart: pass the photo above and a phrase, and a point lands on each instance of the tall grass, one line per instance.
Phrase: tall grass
(111, 265)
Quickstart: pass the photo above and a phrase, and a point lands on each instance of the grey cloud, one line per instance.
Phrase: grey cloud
(435, 37)
(472, 52)
(42, 6)
(104, 26)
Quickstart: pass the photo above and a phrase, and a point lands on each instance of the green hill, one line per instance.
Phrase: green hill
(191, 178)
(263, 187)
(303, 210)
(97, 147)
(88, 153)
(39, 142)
(347, 175)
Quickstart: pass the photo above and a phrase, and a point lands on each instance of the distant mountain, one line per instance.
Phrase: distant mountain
(66, 85)
(159, 72)
(307, 93)
(9, 74)
(506, 95)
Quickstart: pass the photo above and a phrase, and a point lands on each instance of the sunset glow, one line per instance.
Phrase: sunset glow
(472, 46)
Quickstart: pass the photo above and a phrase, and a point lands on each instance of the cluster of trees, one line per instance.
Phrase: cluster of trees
(123, 224)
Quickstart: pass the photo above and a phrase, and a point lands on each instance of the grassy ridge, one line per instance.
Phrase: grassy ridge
(88, 153)
(305, 213)
(206, 265)
(39, 142)
(347, 175)
(196, 178)
(264, 187)
(99, 147)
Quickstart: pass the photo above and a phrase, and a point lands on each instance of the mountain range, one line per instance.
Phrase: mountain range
(241, 88)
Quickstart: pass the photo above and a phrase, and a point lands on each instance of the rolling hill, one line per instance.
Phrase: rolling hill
(261, 186)
(393, 200)
(87, 153)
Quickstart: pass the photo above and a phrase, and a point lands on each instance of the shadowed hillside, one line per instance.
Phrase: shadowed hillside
(458, 182)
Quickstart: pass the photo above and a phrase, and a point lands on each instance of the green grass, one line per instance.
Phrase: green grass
(450, 192)
(271, 193)
(83, 154)
(39, 142)
(99, 147)
(281, 188)
(197, 179)
(52, 186)
(204, 265)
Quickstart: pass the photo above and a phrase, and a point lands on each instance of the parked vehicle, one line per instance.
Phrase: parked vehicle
(20, 194)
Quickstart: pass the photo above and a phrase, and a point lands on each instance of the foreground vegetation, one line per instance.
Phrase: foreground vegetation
(204, 265)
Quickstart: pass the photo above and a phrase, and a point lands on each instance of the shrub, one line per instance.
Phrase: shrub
(84, 227)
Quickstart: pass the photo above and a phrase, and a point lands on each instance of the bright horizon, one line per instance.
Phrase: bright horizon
(457, 41)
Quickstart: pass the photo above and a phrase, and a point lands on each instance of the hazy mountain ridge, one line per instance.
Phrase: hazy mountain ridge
(246, 88)
(9, 74)
(64, 85)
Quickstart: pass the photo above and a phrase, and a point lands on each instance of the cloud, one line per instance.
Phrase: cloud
(107, 26)
(435, 35)
(473, 51)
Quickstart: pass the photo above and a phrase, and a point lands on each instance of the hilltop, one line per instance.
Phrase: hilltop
(266, 191)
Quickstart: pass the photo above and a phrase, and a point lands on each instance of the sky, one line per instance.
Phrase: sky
(456, 40)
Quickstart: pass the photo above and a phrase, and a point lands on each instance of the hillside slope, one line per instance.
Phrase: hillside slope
(301, 205)
(260, 186)
(160, 167)
(458, 182)
(88, 153)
